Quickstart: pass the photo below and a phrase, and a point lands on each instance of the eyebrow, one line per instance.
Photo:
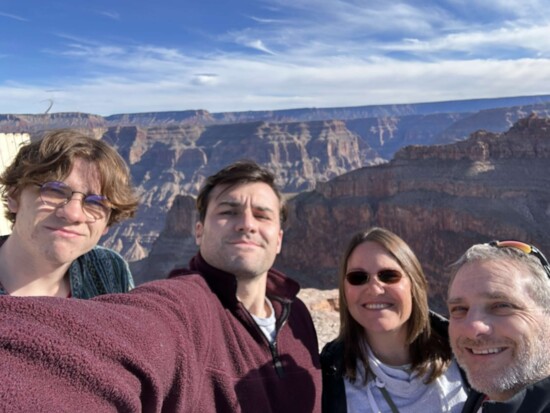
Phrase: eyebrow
(488, 295)
(385, 268)
(236, 204)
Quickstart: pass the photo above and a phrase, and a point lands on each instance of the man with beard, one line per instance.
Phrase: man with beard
(228, 334)
(499, 305)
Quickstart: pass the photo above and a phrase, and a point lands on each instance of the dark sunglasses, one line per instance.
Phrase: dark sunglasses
(527, 249)
(363, 277)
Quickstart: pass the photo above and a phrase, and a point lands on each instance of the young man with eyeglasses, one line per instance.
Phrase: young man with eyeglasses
(499, 305)
(62, 193)
(228, 334)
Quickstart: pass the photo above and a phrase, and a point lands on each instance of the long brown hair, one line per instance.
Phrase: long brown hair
(428, 350)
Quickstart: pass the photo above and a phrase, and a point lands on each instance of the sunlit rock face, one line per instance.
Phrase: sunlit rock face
(332, 163)
(170, 161)
(440, 199)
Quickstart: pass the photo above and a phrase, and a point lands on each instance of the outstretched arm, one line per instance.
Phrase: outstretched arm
(139, 351)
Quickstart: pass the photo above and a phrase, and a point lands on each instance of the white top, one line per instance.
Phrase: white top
(267, 325)
(446, 394)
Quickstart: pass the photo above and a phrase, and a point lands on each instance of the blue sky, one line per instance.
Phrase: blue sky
(128, 56)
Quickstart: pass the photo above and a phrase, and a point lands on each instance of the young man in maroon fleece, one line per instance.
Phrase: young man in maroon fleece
(226, 335)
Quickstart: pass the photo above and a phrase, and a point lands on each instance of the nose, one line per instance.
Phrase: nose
(246, 222)
(375, 286)
(72, 211)
(477, 323)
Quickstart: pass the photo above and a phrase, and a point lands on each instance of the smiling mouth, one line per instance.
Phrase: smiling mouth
(378, 306)
(486, 351)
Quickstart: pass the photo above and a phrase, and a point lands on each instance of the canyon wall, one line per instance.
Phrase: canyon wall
(441, 199)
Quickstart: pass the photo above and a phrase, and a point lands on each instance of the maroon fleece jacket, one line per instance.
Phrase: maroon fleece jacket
(179, 345)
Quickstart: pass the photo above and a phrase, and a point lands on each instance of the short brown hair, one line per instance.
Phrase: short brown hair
(428, 350)
(240, 172)
(52, 158)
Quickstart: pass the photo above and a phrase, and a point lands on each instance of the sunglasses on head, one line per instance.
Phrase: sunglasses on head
(527, 249)
(363, 277)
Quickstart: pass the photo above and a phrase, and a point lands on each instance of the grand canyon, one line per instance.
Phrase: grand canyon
(441, 175)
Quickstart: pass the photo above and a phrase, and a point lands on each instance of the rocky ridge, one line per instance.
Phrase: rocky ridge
(170, 161)
(440, 199)
(170, 153)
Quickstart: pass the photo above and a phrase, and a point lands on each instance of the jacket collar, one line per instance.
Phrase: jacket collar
(532, 398)
(224, 284)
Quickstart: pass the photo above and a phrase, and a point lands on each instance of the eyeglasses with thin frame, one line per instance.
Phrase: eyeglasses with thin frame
(56, 194)
(527, 249)
(362, 277)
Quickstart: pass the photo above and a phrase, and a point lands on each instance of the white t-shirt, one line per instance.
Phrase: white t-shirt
(267, 325)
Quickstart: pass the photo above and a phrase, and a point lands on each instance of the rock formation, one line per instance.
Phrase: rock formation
(174, 160)
(170, 153)
(440, 199)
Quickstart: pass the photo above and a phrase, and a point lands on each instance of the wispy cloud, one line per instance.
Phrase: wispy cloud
(110, 14)
(14, 17)
(307, 53)
(474, 43)
(209, 79)
(258, 45)
(267, 21)
(171, 81)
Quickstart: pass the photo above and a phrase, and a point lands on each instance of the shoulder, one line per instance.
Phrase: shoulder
(189, 290)
(104, 258)
(99, 271)
(439, 324)
(102, 253)
(333, 393)
(187, 299)
(332, 355)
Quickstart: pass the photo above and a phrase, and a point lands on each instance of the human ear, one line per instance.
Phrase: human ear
(198, 233)
(13, 204)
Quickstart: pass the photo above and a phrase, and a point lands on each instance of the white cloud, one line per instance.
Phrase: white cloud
(245, 84)
(110, 14)
(14, 17)
(319, 53)
(532, 38)
(207, 79)
(258, 45)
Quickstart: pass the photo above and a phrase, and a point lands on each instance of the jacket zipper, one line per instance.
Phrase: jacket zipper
(277, 363)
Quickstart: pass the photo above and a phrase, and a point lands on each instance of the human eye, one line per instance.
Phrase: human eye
(457, 311)
(227, 212)
(262, 216)
(502, 307)
(56, 189)
(55, 193)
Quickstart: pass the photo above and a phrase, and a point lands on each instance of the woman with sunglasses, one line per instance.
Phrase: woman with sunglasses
(392, 354)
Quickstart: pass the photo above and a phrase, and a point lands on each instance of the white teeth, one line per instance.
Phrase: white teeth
(376, 306)
(487, 351)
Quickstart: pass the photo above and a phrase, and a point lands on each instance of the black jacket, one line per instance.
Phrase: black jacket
(334, 393)
(532, 399)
